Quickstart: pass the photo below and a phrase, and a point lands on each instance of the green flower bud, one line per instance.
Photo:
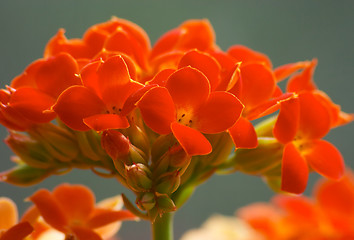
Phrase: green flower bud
(146, 201)
(168, 183)
(59, 142)
(137, 137)
(138, 177)
(24, 175)
(261, 160)
(90, 144)
(29, 150)
(165, 204)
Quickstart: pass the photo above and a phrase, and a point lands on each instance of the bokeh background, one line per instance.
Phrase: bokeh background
(287, 31)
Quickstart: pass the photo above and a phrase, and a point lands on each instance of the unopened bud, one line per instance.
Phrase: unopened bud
(90, 144)
(146, 201)
(138, 177)
(137, 137)
(59, 142)
(29, 150)
(115, 144)
(169, 182)
(165, 204)
(174, 157)
(261, 160)
(24, 175)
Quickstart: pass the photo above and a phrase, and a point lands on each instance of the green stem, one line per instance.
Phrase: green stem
(162, 228)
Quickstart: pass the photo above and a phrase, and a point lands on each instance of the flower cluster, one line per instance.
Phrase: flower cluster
(161, 119)
(329, 214)
(69, 212)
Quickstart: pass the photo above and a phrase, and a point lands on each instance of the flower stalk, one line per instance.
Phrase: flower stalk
(162, 227)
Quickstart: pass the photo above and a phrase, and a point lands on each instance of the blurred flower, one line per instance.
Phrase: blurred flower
(71, 210)
(10, 228)
(329, 215)
(223, 228)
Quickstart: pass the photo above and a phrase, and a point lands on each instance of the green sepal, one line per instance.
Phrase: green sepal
(24, 175)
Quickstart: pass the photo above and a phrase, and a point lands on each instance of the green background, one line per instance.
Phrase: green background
(287, 31)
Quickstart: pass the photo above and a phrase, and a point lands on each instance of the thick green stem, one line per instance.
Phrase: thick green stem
(162, 228)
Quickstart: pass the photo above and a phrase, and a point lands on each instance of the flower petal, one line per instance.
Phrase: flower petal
(33, 109)
(103, 217)
(161, 77)
(246, 55)
(157, 109)
(204, 63)
(56, 74)
(325, 159)
(50, 209)
(286, 70)
(287, 123)
(77, 201)
(219, 113)
(17, 232)
(337, 197)
(315, 118)
(83, 233)
(113, 73)
(8, 213)
(303, 81)
(189, 88)
(294, 172)
(258, 84)
(75, 104)
(243, 134)
(100, 122)
(192, 141)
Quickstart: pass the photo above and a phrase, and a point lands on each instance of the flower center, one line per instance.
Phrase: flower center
(185, 119)
(113, 110)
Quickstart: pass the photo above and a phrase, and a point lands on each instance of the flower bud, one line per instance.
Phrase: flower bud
(137, 137)
(138, 177)
(260, 160)
(59, 142)
(174, 157)
(115, 144)
(90, 144)
(165, 204)
(168, 183)
(146, 201)
(29, 151)
(24, 175)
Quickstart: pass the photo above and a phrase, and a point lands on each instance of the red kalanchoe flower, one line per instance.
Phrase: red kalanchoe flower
(300, 125)
(98, 103)
(187, 107)
(71, 209)
(117, 35)
(42, 82)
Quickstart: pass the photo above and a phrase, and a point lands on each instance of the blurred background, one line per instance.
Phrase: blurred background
(287, 31)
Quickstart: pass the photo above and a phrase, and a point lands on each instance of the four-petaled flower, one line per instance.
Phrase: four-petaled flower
(187, 108)
(71, 210)
(98, 103)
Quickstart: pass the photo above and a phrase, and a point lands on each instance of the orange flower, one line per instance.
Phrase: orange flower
(71, 209)
(329, 216)
(300, 125)
(186, 107)
(98, 103)
(42, 82)
(10, 229)
(117, 35)
(192, 34)
(249, 77)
